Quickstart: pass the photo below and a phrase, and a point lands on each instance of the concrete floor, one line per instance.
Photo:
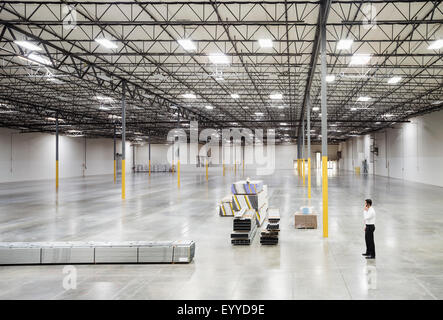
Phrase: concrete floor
(409, 241)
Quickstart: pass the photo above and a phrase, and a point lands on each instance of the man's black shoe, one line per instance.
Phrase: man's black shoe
(365, 254)
(370, 257)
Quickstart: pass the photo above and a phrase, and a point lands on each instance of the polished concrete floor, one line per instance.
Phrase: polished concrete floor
(409, 241)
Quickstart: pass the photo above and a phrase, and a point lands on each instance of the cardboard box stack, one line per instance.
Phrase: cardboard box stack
(306, 218)
(271, 228)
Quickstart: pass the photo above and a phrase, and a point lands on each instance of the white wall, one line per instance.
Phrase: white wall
(410, 151)
(31, 156)
(285, 155)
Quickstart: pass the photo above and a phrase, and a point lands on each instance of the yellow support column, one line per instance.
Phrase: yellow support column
(309, 178)
(303, 171)
(149, 167)
(115, 174)
(325, 195)
(178, 173)
(56, 174)
(206, 170)
(123, 179)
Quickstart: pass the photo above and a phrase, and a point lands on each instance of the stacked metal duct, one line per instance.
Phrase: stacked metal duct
(269, 233)
(244, 227)
(96, 252)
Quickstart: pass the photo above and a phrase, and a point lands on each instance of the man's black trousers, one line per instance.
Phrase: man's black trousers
(369, 237)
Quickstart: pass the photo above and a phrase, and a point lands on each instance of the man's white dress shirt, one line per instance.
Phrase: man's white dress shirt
(369, 216)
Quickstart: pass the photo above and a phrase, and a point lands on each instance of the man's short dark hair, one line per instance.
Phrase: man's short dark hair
(369, 202)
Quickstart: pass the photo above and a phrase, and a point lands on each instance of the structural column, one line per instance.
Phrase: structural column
(56, 153)
(115, 159)
(303, 152)
(123, 140)
(324, 121)
(308, 125)
(149, 155)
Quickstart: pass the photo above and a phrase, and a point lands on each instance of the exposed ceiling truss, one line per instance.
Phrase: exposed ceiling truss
(157, 70)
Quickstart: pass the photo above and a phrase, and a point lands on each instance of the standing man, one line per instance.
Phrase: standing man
(369, 217)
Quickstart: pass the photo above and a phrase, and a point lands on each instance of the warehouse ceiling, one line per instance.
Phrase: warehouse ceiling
(222, 63)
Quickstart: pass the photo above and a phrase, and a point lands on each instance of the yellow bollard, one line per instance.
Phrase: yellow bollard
(56, 174)
(309, 178)
(178, 173)
(123, 180)
(206, 170)
(325, 195)
(149, 167)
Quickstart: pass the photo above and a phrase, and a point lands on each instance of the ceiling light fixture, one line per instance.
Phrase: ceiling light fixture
(259, 113)
(105, 99)
(345, 44)
(189, 96)
(28, 45)
(218, 58)
(187, 44)
(330, 78)
(209, 107)
(364, 99)
(276, 96)
(394, 80)
(235, 96)
(437, 44)
(265, 43)
(360, 59)
(55, 80)
(35, 58)
(108, 44)
(315, 109)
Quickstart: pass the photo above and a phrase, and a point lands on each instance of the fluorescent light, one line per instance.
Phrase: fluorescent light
(388, 115)
(345, 44)
(55, 80)
(235, 96)
(364, 99)
(394, 80)
(259, 113)
(265, 43)
(112, 116)
(106, 43)
(74, 131)
(54, 119)
(105, 99)
(359, 59)
(28, 45)
(218, 58)
(283, 124)
(35, 58)
(315, 109)
(437, 44)
(220, 79)
(276, 96)
(209, 107)
(281, 107)
(437, 102)
(189, 96)
(187, 44)
(104, 108)
(353, 109)
(330, 78)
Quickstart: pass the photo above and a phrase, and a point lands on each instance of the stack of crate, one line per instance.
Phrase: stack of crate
(271, 228)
